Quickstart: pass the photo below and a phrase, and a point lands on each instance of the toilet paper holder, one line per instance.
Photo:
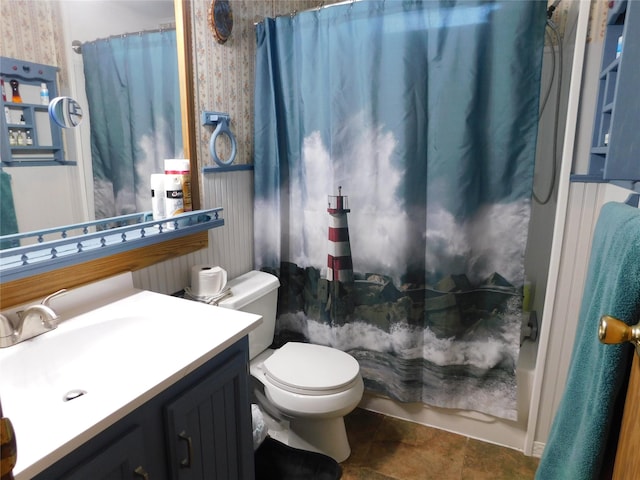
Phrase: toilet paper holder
(221, 120)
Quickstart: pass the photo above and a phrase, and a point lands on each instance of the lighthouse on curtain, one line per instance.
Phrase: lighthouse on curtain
(340, 266)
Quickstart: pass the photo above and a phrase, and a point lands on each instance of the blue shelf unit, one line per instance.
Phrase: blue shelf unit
(29, 117)
(615, 147)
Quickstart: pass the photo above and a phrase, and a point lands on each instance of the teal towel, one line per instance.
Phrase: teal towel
(578, 437)
(8, 220)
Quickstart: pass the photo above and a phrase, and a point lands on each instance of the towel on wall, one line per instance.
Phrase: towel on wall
(8, 220)
(580, 430)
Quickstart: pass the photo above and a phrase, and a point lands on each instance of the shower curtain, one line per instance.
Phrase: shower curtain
(134, 109)
(394, 156)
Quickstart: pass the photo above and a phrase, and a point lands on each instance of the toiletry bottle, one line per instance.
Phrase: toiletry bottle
(29, 139)
(157, 196)
(20, 141)
(179, 169)
(15, 91)
(619, 46)
(44, 94)
(12, 138)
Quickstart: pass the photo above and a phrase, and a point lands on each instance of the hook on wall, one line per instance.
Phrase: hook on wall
(221, 120)
(633, 199)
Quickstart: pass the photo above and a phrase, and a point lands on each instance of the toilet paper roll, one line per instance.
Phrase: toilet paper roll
(207, 280)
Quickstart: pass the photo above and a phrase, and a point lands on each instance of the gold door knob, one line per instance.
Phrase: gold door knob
(612, 330)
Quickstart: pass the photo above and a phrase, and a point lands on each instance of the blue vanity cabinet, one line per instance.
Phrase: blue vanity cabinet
(122, 459)
(199, 428)
(206, 425)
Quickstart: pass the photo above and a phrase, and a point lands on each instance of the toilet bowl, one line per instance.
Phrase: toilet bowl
(310, 387)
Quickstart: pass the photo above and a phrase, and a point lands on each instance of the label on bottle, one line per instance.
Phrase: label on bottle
(174, 197)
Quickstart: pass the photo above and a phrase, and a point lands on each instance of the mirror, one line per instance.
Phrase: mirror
(65, 112)
(51, 24)
(70, 188)
(220, 20)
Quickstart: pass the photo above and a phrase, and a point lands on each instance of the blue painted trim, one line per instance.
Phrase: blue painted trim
(21, 262)
(633, 200)
(587, 178)
(229, 168)
(38, 163)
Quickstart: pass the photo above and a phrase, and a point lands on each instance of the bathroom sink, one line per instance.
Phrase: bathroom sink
(92, 356)
(104, 360)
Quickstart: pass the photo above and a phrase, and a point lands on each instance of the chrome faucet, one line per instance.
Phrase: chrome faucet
(32, 321)
(8, 334)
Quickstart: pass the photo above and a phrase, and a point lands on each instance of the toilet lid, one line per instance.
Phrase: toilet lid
(308, 368)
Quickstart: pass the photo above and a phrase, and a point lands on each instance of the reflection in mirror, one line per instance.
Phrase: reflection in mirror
(68, 194)
(16, 16)
(65, 112)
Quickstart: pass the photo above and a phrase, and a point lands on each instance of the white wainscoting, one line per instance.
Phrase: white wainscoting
(230, 246)
(556, 343)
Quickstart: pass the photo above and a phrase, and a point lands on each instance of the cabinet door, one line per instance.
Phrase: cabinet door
(122, 460)
(209, 427)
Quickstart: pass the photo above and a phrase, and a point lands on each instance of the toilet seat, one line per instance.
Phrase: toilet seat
(310, 369)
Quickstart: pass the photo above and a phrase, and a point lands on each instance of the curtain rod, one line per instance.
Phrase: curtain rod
(317, 9)
(76, 45)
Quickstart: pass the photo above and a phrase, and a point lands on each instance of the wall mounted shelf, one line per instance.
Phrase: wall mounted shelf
(50, 249)
(615, 149)
(28, 137)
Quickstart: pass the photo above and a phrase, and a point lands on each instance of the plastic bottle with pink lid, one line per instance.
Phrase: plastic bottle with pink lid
(177, 187)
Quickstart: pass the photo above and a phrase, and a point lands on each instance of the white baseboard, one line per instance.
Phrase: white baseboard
(538, 448)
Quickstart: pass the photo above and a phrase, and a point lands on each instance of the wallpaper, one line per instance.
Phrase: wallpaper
(30, 31)
(224, 73)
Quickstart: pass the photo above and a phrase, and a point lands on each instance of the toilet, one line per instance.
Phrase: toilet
(310, 387)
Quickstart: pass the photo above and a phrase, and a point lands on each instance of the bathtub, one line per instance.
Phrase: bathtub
(466, 422)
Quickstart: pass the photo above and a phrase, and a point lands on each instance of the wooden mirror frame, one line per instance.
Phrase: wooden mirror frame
(38, 286)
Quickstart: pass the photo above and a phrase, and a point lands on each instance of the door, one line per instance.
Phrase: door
(627, 463)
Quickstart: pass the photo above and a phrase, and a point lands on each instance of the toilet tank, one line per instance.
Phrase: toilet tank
(255, 292)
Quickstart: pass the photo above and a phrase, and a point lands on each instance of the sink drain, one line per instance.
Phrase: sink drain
(73, 394)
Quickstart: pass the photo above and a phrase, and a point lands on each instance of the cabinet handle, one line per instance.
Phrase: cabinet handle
(139, 471)
(186, 463)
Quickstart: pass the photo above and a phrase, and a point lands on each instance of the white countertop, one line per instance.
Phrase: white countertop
(122, 353)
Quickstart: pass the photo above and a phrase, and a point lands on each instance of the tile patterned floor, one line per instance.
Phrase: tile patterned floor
(385, 448)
